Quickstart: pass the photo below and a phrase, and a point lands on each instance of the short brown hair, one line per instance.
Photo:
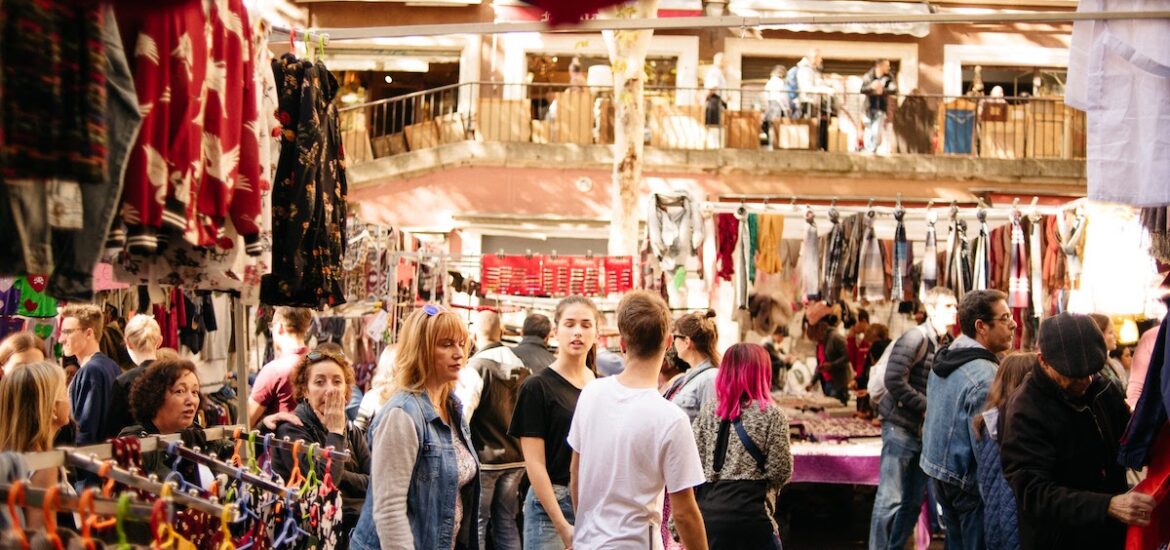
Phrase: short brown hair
(978, 305)
(325, 352)
(149, 392)
(644, 322)
(700, 329)
(87, 315)
(296, 320)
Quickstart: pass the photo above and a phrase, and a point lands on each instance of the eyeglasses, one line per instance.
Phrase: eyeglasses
(1002, 318)
(70, 331)
(316, 356)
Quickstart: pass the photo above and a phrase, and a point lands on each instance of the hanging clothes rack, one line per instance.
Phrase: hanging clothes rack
(107, 469)
(38, 498)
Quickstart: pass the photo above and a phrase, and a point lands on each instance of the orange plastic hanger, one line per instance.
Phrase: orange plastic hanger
(16, 498)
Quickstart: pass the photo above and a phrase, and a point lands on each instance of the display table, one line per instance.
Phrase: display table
(856, 462)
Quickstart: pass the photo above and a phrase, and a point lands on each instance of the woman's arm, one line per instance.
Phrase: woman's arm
(533, 449)
(396, 451)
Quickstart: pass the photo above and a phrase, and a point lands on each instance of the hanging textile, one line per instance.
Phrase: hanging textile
(901, 258)
(834, 258)
(743, 258)
(930, 260)
(308, 201)
(854, 229)
(871, 276)
(1155, 220)
(1036, 263)
(1018, 285)
(726, 236)
(771, 234)
(958, 260)
(980, 262)
(1118, 272)
(810, 260)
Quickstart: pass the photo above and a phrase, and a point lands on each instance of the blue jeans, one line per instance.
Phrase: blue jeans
(539, 531)
(499, 501)
(900, 491)
(962, 516)
(873, 129)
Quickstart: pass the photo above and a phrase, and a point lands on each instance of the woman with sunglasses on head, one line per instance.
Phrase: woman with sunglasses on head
(696, 340)
(322, 382)
(424, 475)
(543, 415)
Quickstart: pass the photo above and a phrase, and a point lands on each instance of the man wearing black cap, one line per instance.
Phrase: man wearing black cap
(1061, 433)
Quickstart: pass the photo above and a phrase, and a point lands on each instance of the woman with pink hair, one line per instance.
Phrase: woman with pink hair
(743, 441)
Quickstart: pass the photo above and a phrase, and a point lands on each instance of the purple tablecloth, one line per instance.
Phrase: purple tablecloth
(846, 463)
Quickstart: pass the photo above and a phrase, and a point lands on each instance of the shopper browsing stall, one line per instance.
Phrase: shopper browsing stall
(91, 390)
(697, 342)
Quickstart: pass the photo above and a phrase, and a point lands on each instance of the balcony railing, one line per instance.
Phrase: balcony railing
(696, 119)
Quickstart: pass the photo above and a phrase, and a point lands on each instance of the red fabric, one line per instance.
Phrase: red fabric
(169, 61)
(231, 144)
(857, 354)
(726, 235)
(561, 12)
(1157, 485)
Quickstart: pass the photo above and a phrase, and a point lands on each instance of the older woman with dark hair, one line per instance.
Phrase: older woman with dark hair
(322, 383)
(165, 400)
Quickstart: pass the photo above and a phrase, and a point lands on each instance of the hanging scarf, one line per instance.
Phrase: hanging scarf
(743, 259)
(726, 235)
(901, 258)
(980, 262)
(1072, 243)
(834, 257)
(947, 273)
(810, 262)
(855, 228)
(1018, 283)
(930, 261)
(959, 261)
(871, 277)
(1036, 259)
(753, 223)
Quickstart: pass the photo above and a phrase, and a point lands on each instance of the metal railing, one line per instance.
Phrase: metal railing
(698, 119)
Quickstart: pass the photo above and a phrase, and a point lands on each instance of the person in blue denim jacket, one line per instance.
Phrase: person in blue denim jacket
(957, 388)
(424, 488)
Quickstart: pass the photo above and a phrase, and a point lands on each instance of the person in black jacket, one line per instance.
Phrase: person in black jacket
(878, 85)
(322, 382)
(533, 347)
(1061, 434)
(903, 483)
(820, 326)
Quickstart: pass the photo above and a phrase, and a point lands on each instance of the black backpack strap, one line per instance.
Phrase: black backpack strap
(720, 446)
(750, 445)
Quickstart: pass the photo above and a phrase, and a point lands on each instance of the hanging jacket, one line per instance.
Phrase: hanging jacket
(676, 228)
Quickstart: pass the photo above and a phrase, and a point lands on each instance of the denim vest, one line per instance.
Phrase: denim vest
(434, 486)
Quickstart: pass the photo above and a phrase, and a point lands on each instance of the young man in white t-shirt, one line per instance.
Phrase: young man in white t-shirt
(630, 445)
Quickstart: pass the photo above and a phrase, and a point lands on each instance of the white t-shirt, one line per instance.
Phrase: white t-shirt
(633, 445)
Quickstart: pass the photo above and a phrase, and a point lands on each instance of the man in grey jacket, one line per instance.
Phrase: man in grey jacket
(959, 381)
(488, 389)
(903, 483)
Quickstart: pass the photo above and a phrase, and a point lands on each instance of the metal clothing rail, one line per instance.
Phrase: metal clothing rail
(107, 469)
(726, 22)
(287, 444)
(37, 498)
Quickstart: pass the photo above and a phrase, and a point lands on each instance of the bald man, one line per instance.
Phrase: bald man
(488, 389)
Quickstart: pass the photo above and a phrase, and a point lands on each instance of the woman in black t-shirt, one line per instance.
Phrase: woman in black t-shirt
(544, 412)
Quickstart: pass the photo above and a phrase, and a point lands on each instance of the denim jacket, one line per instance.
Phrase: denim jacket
(957, 392)
(433, 485)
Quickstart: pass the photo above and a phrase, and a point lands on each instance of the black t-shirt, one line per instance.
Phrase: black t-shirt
(545, 410)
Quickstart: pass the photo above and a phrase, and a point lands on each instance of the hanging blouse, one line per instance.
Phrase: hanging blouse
(833, 260)
(1018, 284)
(871, 276)
(809, 260)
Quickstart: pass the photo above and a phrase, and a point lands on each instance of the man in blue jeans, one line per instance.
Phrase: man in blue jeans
(903, 483)
(958, 386)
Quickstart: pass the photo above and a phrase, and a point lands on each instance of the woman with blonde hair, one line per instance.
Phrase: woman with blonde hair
(34, 406)
(381, 387)
(424, 474)
(20, 348)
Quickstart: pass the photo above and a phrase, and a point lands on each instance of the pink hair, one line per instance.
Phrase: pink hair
(745, 374)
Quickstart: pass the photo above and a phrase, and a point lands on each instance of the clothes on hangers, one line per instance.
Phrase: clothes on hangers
(832, 268)
(743, 261)
(980, 262)
(1036, 264)
(930, 257)
(1018, 286)
(1071, 226)
(901, 259)
(753, 223)
(854, 231)
(872, 273)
